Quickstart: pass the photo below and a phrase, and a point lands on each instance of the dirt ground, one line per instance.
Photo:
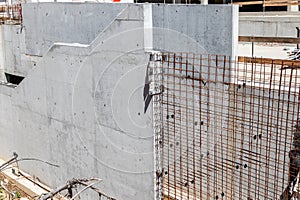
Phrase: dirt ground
(18, 193)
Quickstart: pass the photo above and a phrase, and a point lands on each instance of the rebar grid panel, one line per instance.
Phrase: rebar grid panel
(228, 128)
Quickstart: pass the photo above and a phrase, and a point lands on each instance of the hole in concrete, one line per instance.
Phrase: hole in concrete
(166, 172)
(244, 84)
(171, 145)
(202, 123)
(217, 197)
(34, 64)
(245, 165)
(168, 116)
(196, 123)
(223, 194)
(172, 116)
(237, 167)
(177, 143)
(254, 137)
(46, 14)
(186, 184)
(14, 79)
(239, 86)
(139, 113)
(192, 181)
(104, 105)
(259, 136)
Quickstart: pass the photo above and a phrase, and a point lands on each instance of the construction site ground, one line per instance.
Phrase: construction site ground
(16, 193)
(265, 50)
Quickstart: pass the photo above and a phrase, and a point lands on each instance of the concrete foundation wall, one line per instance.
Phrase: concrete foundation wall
(16, 61)
(83, 107)
(269, 25)
(46, 23)
(200, 28)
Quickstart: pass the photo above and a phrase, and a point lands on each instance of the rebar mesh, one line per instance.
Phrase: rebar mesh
(228, 129)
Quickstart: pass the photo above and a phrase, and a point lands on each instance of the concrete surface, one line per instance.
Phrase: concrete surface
(46, 23)
(269, 24)
(200, 28)
(265, 50)
(82, 106)
(16, 61)
(2, 76)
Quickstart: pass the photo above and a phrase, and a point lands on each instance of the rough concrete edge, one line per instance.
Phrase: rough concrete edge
(235, 31)
(148, 27)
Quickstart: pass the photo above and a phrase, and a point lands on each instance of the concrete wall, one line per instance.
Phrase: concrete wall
(77, 104)
(25, 45)
(269, 25)
(82, 106)
(200, 28)
(245, 134)
(46, 23)
(15, 60)
(82, 23)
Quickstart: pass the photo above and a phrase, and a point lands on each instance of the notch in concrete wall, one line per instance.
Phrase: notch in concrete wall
(13, 79)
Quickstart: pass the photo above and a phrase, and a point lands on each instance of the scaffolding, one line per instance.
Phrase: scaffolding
(226, 129)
